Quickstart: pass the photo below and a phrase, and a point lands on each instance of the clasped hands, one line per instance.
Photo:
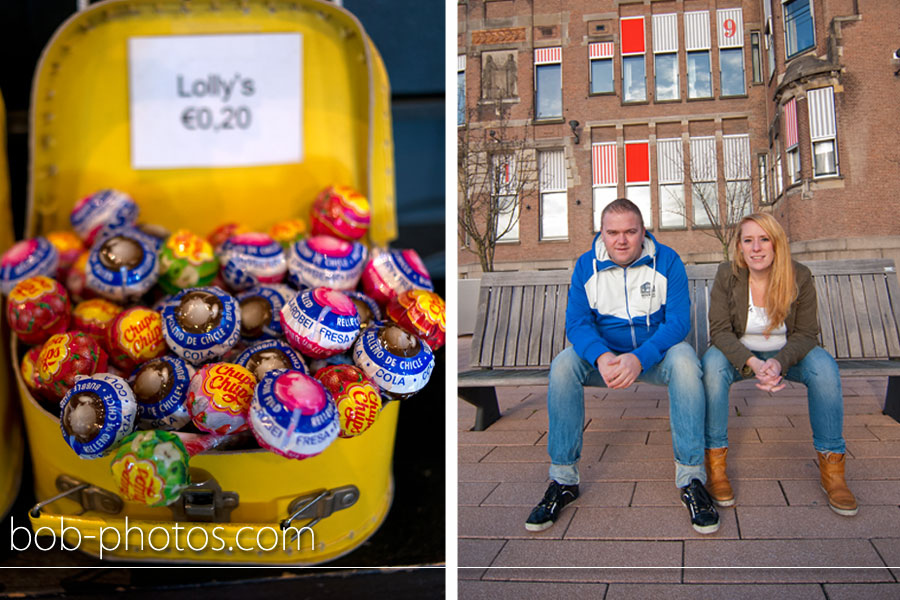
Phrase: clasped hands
(618, 371)
(768, 374)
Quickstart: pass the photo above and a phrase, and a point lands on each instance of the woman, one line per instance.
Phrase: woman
(763, 324)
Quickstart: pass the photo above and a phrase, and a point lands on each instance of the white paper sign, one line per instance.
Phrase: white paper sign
(215, 100)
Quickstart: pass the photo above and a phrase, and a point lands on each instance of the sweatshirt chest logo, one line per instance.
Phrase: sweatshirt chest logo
(648, 291)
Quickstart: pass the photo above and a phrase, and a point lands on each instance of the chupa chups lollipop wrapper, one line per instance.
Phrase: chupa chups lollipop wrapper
(288, 232)
(269, 355)
(37, 308)
(107, 210)
(261, 310)
(420, 312)
(134, 337)
(293, 415)
(122, 268)
(320, 322)
(390, 272)
(157, 232)
(324, 261)
(96, 414)
(201, 324)
(186, 260)
(249, 259)
(368, 309)
(220, 234)
(160, 388)
(28, 258)
(94, 317)
(29, 370)
(342, 212)
(76, 278)
(219, 397)
(65, 356)
(396, 360)
(357, 399)
(69, 246)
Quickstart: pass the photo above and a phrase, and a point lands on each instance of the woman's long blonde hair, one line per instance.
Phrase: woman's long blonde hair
(782, 288)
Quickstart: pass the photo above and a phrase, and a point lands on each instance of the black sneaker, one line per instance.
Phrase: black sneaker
(704, 517)
(547, 511)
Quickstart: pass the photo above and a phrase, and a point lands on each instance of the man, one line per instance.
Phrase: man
(627, 317)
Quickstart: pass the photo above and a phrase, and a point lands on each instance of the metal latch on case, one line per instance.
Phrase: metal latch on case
(204, 500)
(320, 504)
(90, 497)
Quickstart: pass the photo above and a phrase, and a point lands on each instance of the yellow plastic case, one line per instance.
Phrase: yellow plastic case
(80, 143)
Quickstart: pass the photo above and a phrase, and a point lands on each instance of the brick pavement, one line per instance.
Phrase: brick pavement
(629, 515)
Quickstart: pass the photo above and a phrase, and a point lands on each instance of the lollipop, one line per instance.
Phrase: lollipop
(220, 234)
(38, 307)
(186, 260)
(122, 268)
(96, 414)
(368, 309)
(399, 362)
(323, 261)
(420, 312)
(201, 324)
(160, 387)
(268, 355)
(288, 232)
(293, 415)
(219, 397)
(104, 210)
(390, 272)
(320, 322)
(65, 356)
(94, 317)
(29, 370)
(340, 211)
(134, 337)
(261, 310)
(69, 247)
(76, 277)
(25, 259)
(249, 259)
(357, 398)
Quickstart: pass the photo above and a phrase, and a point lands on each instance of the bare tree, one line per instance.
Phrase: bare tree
(496, 167)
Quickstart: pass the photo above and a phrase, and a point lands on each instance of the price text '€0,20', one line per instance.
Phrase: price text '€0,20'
(201, 118)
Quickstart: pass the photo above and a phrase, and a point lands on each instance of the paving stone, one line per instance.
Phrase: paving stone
(743, 436)
(771, 555)
(606, 412)
(530, 493)
(772, 421)
(634, 452)
(661, 412)
(517, 425)
(874, 449)
(771, 450)
(499, 472)
(868, 493)
(629, 402)
(521, 590)
(473, 493)
(773, 468)
(884, 432)
(889, 549)
(872, 468)
(505, 523)
(628, 471)
(476, 553)
(596, 438)
(474, 454)
(628, 425)
(661, 591)
(747, 492)
(520, 454)
(643, 523)
(800, 434)
(816, 522)
(498, 438)
(572, 553)
(869, 591)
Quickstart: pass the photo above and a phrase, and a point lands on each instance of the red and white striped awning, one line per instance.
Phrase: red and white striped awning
(790, 123)
(547, 56)
(603, 164)
(601, 50)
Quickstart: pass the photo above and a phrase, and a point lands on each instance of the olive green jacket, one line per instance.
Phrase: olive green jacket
(728, 303)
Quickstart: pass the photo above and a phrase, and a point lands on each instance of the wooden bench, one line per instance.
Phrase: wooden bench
(521, 326)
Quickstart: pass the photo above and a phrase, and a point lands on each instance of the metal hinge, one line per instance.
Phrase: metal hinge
(204, 501)
(90, 497)
(320, 504)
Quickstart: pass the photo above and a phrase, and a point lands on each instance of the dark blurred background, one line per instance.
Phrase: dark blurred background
(409, 35)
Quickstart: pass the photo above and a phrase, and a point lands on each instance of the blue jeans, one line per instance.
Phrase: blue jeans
(817, 371)
(679, 370)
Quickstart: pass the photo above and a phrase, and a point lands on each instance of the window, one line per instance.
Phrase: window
(792, 140)
(756, 57)
(505, 184)
(770, 37)
(799, 32)
(665, 56)
(554, 207)
(548, 83)
(604, 176)
(634, 74)
(697, 44)
(670, 173)
(461, 89)
(704, 193)
(601, 57)
(637, 178)
(736, 163)
(731, 51)
(779, 175)
(823, 132)
(762, 166)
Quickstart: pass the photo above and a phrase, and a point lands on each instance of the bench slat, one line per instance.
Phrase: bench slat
(526, 318)
(866, 335)
(550, 300)
(826, 326)
(480, 321)
(849, 312)
(892, 326)
(537, 327)
(512, 337)
(841, 345)
(873, 312)
(490, 328)
(559, 326)
(500, 337)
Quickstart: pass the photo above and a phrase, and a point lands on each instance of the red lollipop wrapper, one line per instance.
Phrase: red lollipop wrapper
(69, 247)
(134, 337)
(340, 211)
(65, 356)
(38, 308)
(421, 313)
(94, 317)
(29, 371)
(219, 398)
(76, 278)
(220, 234)
(357, 398)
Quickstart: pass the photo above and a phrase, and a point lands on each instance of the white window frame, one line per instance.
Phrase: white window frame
(605, 52)
(670, 178)
(552, 184)
(823, 126)
(541, 61)
(812, 16)
(736, 162)
(665, 43)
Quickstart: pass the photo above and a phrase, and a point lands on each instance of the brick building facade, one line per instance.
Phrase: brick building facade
(789, 104)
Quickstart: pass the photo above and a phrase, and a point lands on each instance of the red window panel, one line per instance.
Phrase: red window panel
(633, 35)
(790, 123)
(637, 162)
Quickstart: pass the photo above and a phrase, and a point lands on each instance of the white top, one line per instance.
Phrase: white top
(754, 338)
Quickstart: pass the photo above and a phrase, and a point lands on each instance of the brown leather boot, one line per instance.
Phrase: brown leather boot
(840, 498)
(716, 480)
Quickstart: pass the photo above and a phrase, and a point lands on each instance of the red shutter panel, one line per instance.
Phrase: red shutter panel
(633, 35)
(637, 162)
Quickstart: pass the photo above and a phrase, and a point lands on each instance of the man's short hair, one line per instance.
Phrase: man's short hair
(622, 205)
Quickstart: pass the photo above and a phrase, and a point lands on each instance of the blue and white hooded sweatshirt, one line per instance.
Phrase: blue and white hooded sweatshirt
(643, 308)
